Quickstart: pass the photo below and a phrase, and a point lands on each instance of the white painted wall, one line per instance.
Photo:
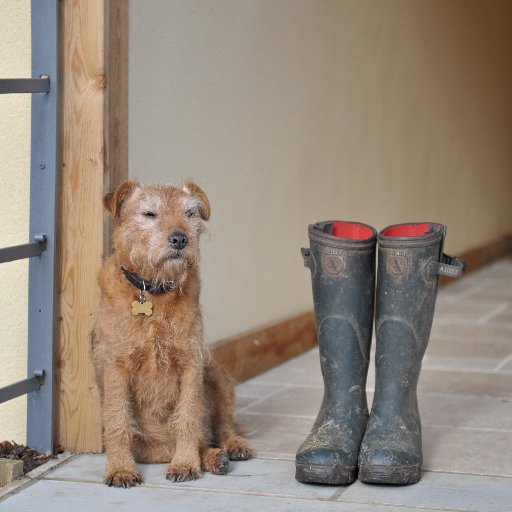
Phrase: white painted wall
(292, 111)
(15, 55)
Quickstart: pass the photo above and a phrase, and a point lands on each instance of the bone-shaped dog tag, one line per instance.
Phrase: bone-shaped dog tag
(142, 308)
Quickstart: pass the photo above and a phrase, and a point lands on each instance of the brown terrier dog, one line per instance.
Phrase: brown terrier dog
(164, 397)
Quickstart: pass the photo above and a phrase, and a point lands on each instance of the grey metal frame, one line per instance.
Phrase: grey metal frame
(19, 252)
(43, 204)
(24, 85)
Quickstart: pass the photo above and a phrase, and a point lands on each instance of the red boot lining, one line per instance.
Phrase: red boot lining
(407, 230)
(351, 230)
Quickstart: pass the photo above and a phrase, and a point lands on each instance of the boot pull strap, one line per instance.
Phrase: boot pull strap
(449, 266)
(306, 254)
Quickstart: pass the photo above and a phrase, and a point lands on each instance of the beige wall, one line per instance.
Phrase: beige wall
(292, 111)
(14, 209)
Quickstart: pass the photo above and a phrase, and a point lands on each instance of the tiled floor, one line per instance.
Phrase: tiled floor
(465, 395)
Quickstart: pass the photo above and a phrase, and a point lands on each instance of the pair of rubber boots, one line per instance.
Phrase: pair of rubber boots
(346, 442)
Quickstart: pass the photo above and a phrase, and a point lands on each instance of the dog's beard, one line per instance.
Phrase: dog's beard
(171, 268)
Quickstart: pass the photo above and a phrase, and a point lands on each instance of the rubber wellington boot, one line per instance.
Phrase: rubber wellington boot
(342, 263)
(410, 261)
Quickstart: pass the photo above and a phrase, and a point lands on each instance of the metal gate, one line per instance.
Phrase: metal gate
(41, 246)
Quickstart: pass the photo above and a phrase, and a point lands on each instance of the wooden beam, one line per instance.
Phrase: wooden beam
(84, 140)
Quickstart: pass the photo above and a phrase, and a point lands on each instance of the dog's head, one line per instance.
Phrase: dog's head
(158, 229)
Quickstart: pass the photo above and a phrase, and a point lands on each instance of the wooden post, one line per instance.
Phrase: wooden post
(87, 136)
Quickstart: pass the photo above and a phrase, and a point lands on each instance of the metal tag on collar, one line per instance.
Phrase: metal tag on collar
(142, 307)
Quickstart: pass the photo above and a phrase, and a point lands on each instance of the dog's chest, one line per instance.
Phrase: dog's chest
(153, 355)
(155, 375)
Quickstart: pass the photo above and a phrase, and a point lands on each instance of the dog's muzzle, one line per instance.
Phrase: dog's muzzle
(178, 240)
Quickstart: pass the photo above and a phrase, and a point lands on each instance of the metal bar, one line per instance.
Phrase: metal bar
(24, 85)
(19, 252)
(22, 387)
(43, 204)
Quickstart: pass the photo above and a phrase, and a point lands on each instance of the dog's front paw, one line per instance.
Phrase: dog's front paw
(182, 472)
(123, 478)
(238, 448)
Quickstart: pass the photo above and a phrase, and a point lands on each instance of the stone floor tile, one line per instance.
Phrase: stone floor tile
(294, 402)
(436, 408)
(245, 401)
(86, 467)
(290, 401)
(275, 437)
(442, 491)
(473, 412)
(506, 366)
(465, 450)
(276, 477)
(465, 383)
(471, 364)
(482, 333)
(490, 292)
(253, 389)
(505, 317)
(272, 477)
(472, 312)
(61, 496)
(480, 347)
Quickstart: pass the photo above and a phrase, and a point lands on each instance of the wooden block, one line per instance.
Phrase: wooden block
(10, 470)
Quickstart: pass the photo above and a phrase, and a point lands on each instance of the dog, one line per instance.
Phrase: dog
(164, 398)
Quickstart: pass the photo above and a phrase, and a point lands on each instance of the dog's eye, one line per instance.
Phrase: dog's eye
(190, 213)
(149, 214)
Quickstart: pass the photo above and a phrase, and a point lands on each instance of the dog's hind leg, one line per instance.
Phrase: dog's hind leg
(221, 390)
(215, 460)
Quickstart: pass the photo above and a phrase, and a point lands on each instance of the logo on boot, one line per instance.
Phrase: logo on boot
(397, 264)
(333, 263)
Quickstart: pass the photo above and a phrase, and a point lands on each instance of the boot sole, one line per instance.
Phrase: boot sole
(398, 475)
(320, 474)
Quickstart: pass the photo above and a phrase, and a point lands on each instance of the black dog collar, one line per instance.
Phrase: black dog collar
(148, 286)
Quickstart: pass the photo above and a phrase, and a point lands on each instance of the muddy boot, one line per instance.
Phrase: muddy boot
(342, 264)
(410, 261)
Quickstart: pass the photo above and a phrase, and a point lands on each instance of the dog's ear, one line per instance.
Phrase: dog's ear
(113, 201)
(190, 188)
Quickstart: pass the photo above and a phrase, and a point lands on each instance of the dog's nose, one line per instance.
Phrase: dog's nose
(178, 240)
